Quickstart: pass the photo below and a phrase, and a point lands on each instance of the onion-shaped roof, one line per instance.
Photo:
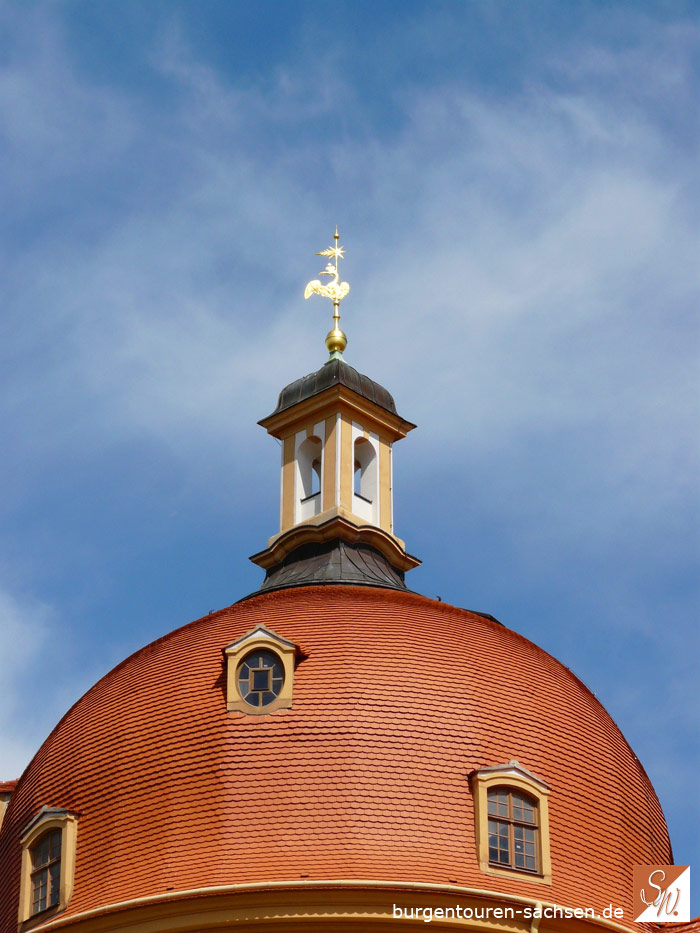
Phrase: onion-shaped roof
(397, 699)
(334, 372)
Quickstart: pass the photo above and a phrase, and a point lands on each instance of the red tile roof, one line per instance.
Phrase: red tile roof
(692, 926)
(6, 787)
(396, 700)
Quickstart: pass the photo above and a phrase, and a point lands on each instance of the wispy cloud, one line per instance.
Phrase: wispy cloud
(25, 653)
(522, 259)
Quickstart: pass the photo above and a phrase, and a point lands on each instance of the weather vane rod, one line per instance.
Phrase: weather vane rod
(336, 341)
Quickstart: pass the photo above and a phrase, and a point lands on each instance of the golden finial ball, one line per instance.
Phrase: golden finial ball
(336, 340)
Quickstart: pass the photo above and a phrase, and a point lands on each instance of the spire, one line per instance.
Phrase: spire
(336, 341)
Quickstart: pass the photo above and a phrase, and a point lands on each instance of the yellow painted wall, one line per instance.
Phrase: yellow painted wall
(329, 463)
(288, 483)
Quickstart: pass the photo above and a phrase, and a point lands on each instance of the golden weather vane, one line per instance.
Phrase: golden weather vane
(336, 341)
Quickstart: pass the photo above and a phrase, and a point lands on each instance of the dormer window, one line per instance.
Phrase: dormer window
(512, 822)
(513, 835)
(46, 871)
(260, 672)
(48, 863)
(260, 677)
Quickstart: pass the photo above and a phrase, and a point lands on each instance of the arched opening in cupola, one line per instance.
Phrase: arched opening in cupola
(309, 462)
(365, 492)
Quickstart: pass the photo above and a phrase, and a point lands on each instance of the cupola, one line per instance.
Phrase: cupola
(337, 429)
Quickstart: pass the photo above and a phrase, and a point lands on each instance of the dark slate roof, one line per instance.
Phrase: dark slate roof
(334, 562)
(334, 372)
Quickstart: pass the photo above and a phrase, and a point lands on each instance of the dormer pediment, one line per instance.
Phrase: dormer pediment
(260, 672)
(513, 769)
(259, 635)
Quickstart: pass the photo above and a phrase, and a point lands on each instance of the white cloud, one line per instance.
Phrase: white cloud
(529, 256)
(45, 666)
(25, 639)
(522, 270)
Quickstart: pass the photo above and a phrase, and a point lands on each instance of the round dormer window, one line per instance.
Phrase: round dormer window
(260, 677)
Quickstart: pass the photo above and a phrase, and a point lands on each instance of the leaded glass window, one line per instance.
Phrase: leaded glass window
(46, 871)
(260, 677)
(513, 839)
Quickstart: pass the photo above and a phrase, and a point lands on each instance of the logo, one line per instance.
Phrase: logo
(661, 893)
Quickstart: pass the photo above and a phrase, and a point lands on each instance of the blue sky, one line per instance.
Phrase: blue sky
(516, 186)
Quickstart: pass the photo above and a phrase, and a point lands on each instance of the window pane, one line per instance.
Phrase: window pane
(499, 847)
(55, 844)
(511, 843)
(47, 848)
(261, 679)
(39, 882)
(46, 873)
(525, 807)
(54, 883)
(40, 853)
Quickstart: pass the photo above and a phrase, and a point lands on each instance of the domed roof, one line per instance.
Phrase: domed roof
(397, 699)
(334, 372)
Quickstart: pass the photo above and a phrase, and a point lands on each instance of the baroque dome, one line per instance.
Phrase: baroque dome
(334, 372)
(332, 743)
(397, 700)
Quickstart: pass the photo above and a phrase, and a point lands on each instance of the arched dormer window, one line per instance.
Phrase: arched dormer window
(48, 862)
(309, 458)
(512, 822)
(46, 871)
(513, 829)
